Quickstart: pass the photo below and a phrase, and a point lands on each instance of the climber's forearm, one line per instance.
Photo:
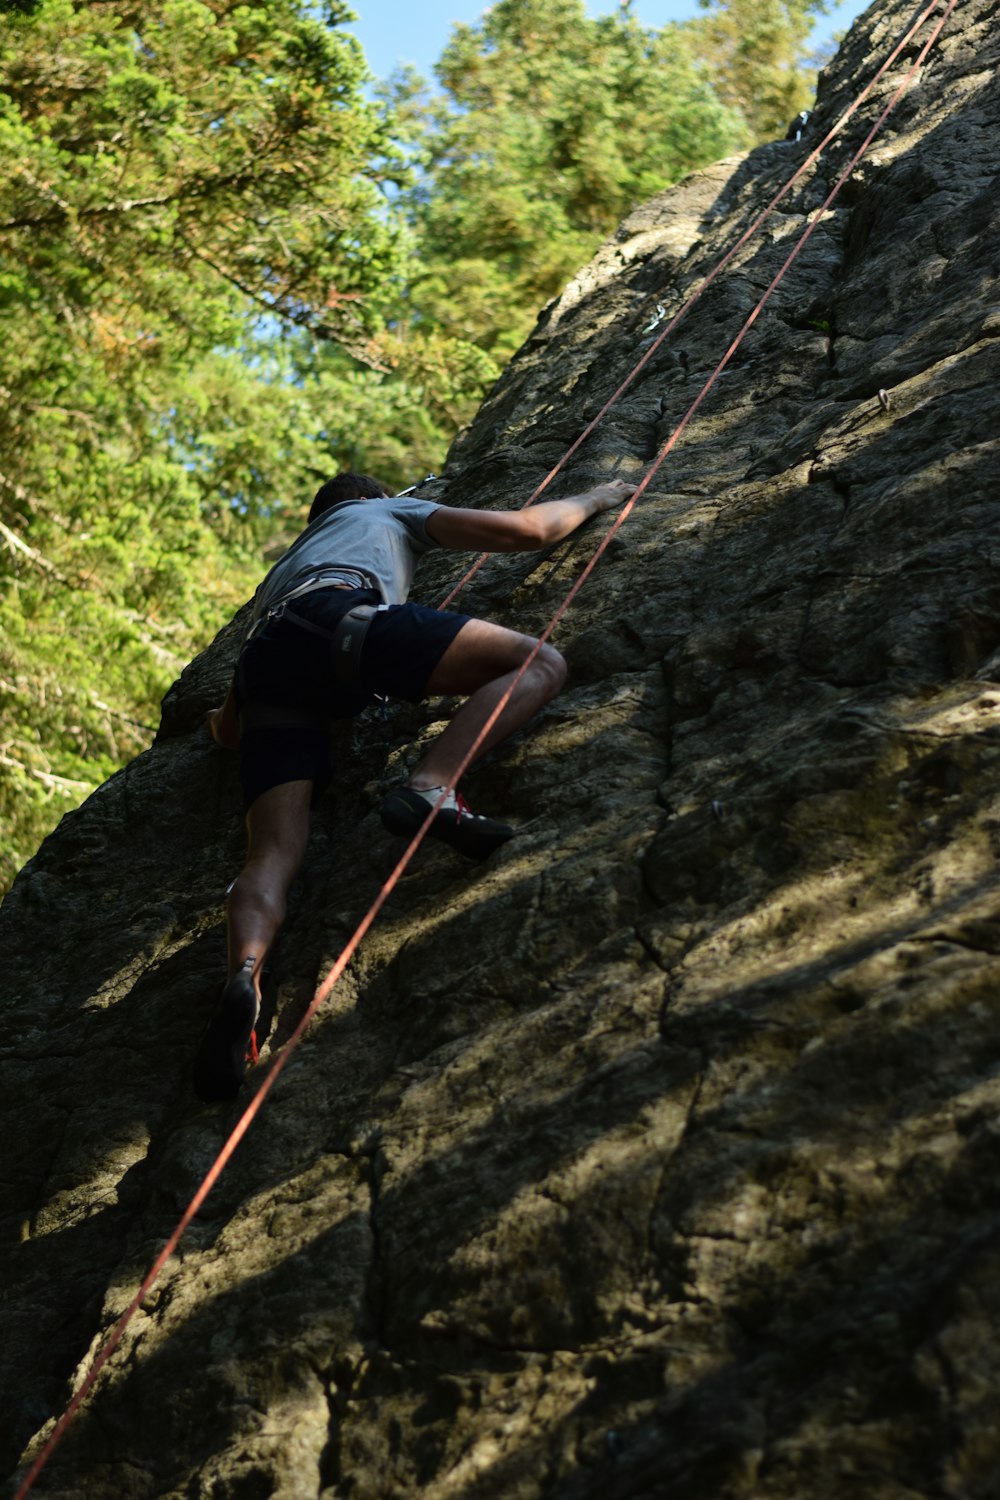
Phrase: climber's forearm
(553, 520)
(523, 530)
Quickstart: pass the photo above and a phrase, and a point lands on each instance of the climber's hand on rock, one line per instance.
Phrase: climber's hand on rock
(614, 493)
(223, 725)
(213, 724)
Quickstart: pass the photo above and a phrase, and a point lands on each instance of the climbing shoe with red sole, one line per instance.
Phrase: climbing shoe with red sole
(228, 1042)
(473, 835)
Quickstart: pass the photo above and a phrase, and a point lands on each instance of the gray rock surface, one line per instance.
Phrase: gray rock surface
(660, 1156)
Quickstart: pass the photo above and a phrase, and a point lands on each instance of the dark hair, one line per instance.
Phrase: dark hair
(346, 487)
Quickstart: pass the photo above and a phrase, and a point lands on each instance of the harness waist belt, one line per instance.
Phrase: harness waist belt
(326, 578)
(347, 638)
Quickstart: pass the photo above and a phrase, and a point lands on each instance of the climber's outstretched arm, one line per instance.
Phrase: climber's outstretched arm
(523, 530)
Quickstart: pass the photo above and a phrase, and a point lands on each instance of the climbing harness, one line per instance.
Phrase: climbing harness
(282, 1057)
(347, 642)
(347, 638)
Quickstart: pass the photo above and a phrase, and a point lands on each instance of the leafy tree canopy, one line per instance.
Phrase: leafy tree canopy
(756, 53)
(550, 127)
(180, 181)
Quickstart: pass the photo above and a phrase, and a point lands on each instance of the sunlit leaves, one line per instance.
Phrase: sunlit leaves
(552, 126)
(175, 179)
(756, 50)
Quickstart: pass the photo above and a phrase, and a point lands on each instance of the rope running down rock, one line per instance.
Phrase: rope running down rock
(323, 991)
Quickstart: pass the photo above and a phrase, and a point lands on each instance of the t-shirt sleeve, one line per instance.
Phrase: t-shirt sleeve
(414, 515)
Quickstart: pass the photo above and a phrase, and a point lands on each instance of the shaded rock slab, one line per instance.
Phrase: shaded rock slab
(659, 1156)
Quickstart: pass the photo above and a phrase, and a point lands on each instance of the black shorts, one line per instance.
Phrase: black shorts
(287, 694)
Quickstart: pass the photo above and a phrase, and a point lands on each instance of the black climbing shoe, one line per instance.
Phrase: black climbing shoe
(404, 810)
(228, 1042)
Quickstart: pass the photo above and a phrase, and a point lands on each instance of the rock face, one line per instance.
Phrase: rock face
(660, 1156)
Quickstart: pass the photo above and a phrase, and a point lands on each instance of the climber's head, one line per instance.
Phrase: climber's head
(347, 487)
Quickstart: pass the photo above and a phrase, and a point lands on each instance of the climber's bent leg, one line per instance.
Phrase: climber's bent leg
(483, 661)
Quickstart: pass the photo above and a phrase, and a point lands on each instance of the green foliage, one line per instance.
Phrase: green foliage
(550, 128)
(756, 50)
(175, 178)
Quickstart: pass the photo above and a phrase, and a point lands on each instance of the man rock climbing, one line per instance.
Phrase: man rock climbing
(331, 630)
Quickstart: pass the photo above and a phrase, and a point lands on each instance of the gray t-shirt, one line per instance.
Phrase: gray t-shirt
(370, 543)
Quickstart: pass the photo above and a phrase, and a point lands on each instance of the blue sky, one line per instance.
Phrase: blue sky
(395, 31)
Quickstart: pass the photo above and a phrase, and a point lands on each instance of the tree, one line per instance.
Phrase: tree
(180, 181)
(756, 52)
(551, 127)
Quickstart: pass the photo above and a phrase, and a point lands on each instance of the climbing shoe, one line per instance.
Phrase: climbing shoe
(228, 1042)
(405, 809)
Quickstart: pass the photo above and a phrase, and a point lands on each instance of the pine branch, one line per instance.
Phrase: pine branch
(16, 545)
(48, 778)
(304, 319)
(17, 490)
(197, 188)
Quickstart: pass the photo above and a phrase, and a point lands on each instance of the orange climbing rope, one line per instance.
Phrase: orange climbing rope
(281, 1058)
